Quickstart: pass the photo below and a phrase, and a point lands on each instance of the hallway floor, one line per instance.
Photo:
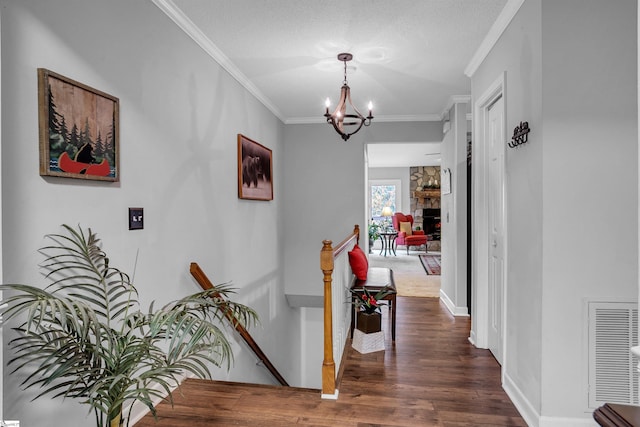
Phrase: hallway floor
(431, 376)
(408, 272)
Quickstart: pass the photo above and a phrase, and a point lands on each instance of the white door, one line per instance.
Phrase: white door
(496, 145)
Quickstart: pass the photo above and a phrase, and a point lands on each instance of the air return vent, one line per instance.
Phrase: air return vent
(613, 374)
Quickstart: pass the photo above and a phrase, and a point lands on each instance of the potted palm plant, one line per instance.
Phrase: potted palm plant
(84, 336)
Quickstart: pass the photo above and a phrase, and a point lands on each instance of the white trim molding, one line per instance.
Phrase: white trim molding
(176, 15)
(522, 404)
(453, 100)
(498, 27)
(456, 311)
(380, 119)
(532, 416)
(480, 250)
(327, 396)
(169, 8)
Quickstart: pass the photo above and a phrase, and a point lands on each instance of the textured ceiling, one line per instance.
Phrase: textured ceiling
(409, 56)
(403, 154)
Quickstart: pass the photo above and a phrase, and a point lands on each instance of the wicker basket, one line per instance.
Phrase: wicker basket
(367, 343)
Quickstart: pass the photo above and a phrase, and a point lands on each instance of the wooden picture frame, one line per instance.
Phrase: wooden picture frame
(255, 170)
(79, 129)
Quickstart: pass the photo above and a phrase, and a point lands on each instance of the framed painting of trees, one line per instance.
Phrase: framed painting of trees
(78, 129)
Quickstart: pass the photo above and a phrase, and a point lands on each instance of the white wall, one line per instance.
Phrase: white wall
(324, 193)
(453, 213)
(1, 329)
(179, 116)
(571, 73)
(589, 114)
(518, 54)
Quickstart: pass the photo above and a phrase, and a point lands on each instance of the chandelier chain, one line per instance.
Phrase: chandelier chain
(345, 73)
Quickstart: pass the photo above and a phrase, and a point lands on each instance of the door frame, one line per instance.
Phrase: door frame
(480, 222)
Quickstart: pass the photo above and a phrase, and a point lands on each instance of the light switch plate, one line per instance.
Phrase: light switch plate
(136, 218)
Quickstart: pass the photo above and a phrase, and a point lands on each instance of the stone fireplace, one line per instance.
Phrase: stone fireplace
(424, 190)
(431, 223)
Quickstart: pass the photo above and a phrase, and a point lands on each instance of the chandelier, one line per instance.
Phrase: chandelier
(341, 120)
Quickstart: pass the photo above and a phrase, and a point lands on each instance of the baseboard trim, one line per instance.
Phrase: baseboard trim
(472, 338)
(522, 404)
(532, 417)
(456, 311)
(328, 396)
(567, 422)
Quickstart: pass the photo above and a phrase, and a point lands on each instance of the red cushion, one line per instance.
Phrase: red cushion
(416, 240)
(359, 263)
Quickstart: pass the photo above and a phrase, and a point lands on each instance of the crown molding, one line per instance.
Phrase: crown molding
(454, 99)
(174, 13)
(381, 119)
(498, 27)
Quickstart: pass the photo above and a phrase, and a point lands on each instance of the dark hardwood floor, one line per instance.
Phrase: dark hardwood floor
(432, 376)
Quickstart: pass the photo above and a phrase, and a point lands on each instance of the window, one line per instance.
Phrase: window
(384, 193)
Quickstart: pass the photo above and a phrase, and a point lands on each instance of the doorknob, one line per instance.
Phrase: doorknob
(494, 243)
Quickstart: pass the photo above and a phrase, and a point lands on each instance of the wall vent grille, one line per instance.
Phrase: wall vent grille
(613, 373)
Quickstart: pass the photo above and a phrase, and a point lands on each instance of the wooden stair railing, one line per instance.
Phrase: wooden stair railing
(206, 284)
(328, 255)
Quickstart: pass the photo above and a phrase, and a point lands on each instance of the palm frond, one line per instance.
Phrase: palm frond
(84, 335)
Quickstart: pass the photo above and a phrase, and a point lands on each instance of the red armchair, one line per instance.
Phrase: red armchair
(407, 236)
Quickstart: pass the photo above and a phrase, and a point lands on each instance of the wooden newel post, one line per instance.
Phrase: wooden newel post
(328, 364)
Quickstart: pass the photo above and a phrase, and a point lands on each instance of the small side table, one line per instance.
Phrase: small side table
(388, 242)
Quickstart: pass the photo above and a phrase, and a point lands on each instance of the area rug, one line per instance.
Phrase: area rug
(431, 264)
(410, 277)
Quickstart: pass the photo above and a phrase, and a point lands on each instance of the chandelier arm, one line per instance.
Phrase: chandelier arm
(342, 102)
(355, 130)
(335, 126)
(339, 125)
(353, 106)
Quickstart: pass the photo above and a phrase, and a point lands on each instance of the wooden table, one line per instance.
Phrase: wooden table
(616, 415)
(388, 239)
(377, 279)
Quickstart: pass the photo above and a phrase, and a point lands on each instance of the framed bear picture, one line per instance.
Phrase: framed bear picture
(78, 129)
(255, 170)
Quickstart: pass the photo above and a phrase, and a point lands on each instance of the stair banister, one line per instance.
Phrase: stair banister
(328, 255)
(205, 284)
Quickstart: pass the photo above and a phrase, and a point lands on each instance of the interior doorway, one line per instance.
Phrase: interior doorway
(489, 234)
(415, 276)
(497, 253)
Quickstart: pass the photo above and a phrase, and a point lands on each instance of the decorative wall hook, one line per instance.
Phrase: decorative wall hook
(520, 135)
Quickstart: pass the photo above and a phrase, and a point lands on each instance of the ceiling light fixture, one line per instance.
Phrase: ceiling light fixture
(340, 120)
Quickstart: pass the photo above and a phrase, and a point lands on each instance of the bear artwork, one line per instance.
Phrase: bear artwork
(251, 170)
